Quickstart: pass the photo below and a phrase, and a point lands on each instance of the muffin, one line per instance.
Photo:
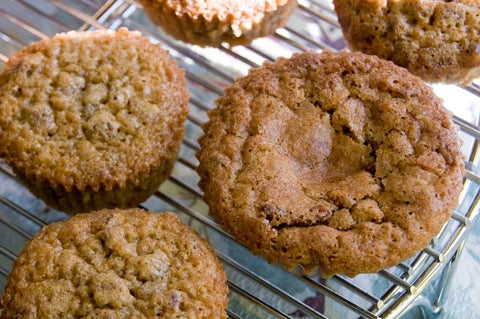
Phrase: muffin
(436, 40)
(332, 162)
(92, 120)
(211, 22)
(116, 264)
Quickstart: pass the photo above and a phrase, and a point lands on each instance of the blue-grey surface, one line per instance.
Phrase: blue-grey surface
(462, 299)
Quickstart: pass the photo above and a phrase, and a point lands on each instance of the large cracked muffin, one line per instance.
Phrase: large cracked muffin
(335, 162)
(436, 40)
(92, 120)
(116, 264)
(212, 22)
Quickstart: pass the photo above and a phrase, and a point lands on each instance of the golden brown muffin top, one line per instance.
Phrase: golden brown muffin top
(241, 14)
(337, 160)
(90, 109)
(436, 40)
(117, 264)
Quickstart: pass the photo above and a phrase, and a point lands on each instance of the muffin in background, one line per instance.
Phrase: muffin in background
(92, 120)
(331, 163)
(436, 40)
(116, 264)
(212, 22)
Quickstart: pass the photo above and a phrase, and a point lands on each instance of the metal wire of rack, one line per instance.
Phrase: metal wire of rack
(257, 290)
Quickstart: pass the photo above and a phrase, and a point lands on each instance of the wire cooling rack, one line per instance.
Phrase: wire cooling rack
(257, 289)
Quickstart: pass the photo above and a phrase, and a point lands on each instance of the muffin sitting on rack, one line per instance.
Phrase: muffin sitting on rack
(334, 162)
(212, 22)
(116, 264)
(436, 40)
(90, 120)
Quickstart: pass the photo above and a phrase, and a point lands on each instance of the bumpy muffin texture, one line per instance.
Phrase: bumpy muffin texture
(116, 264)
(337, 162)
(92, 120)
(436, 40)
(209, 23)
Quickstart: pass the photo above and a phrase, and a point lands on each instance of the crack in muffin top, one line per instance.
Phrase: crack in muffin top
(91, 109)
(337, 160)
(117, 264)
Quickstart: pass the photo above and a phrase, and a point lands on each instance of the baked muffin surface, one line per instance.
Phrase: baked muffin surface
(436, 40)
(212, 22)
(92, 112)
(337, 162)
(116, 264)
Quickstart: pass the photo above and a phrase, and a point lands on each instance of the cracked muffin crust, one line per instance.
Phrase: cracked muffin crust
(116, 264)
(436, 40)
(92, 120)
(212, 22)
(337, 162)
